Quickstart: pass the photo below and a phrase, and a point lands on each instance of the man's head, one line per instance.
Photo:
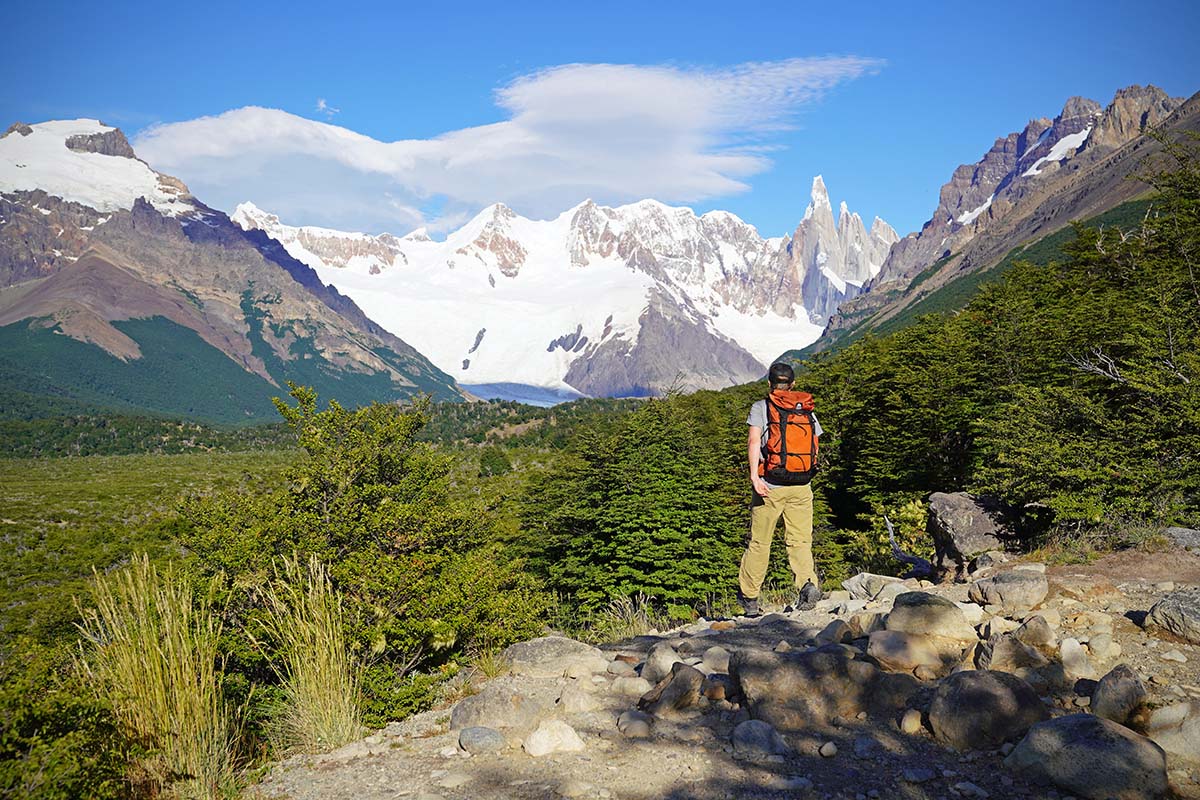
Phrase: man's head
(781, 375)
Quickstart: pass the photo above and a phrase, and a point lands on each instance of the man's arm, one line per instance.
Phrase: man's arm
(754, 455)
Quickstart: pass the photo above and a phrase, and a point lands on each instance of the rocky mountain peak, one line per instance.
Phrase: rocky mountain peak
(1132, 110)
(109, 142)
(1078, 107)
(18, 127)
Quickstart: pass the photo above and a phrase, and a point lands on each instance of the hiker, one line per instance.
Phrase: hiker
(782, 449)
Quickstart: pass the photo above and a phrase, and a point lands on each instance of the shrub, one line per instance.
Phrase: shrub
(304, 615)
(152, 655)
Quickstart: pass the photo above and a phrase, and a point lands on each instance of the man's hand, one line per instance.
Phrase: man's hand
(760, 486)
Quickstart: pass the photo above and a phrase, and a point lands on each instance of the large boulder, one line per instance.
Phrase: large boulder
(962, 527)
(1119, 695)
(897, 651)
(505, 703)
(1092, 757)
(1011, 593)
(1178, 613)
(553, 656)
(1176, 729)
(981, 709)
(929, 615)
(795, 690)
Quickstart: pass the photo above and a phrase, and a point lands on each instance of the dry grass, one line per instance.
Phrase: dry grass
(321, 710)
(627, 617)
(151, 650)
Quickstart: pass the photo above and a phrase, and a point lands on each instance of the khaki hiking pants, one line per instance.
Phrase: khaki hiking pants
(795, 505)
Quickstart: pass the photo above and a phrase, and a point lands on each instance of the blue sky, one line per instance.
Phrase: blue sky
(710, 104)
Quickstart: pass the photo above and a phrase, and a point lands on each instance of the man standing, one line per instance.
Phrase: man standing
(782, 450)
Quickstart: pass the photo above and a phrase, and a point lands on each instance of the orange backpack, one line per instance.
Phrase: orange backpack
(790, 447)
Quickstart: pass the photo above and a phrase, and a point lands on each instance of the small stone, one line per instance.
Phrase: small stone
(717, 659)
(828, 750)
(575, 789)
(918, 775)
(782, 647)
(911, 721)
(448, 752)
(1075, 661)
(634, 724)
(969, 789)
(756, 740)
(630, 686)
(866, 747)
(1083, 702)
(553, 736)
(1174, 655)
(621, 669)
(454, 780)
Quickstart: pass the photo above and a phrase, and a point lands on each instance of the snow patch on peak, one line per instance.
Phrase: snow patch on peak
(1063, 149)
(42, 160)
(819, 194)
(967, 217)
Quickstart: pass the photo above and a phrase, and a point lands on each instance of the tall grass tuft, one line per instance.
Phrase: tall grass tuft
(151, 650)
(304, 615)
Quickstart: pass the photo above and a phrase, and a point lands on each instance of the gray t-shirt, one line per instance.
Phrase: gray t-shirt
(758, 419)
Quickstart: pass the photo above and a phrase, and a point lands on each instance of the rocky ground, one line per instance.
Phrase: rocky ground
(1007, 686)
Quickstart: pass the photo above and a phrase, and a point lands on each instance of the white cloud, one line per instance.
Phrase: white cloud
(326, 109)
(611, 132)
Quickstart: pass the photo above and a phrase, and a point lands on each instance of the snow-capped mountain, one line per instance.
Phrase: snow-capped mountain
(128, 292)
(600, 301)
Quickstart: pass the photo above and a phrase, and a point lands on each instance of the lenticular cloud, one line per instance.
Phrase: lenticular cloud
(611, 132)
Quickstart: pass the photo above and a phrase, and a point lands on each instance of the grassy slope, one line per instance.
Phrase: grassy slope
(63, 516)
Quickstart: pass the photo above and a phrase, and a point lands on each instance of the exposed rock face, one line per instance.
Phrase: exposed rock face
(962, 527)
(981, 709)
(108, 143)
(1030, 183)
(1092, 757)
(552, 656)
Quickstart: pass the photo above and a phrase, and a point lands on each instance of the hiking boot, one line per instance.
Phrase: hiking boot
(749, 605)
(809, 595)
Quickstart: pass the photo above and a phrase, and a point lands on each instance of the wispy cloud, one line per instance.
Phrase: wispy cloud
(326, 109)
(608, 131)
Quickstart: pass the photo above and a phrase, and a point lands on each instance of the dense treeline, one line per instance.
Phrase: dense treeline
(108, 435)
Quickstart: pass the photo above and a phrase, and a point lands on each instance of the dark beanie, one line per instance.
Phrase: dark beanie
(780, 373)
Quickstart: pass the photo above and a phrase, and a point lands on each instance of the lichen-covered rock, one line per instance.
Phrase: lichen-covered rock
(795, 690)
(755, 740)
(981, 709)
(1176, 729)
(552, 656)
(1119, 695)
(898, 651)
(1179, 613)
(866, 586)
(504, 704)
(1092, 757)
(929, 615)
(1011, 593)
(962, 527)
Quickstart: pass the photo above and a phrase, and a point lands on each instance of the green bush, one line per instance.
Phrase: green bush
(412, 555)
